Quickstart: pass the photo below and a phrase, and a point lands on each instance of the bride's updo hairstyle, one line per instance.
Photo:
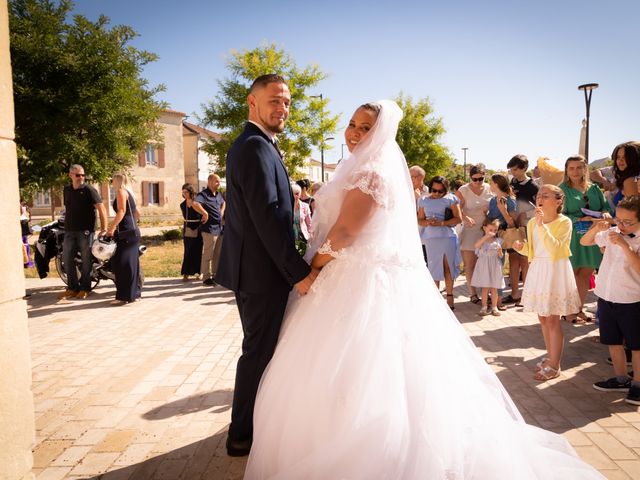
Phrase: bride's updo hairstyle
(373, 107)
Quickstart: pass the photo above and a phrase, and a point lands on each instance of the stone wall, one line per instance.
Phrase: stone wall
(17, 430)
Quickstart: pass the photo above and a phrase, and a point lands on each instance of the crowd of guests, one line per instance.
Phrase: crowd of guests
(554, 238)
(203, 217)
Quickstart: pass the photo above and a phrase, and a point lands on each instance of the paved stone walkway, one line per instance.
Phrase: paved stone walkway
(144, 391)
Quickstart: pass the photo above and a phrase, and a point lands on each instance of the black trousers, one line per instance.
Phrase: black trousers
(261, 316)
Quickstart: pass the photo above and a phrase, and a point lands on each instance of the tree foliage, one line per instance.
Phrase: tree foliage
(418, 136)
(79, 94)
(309, 122)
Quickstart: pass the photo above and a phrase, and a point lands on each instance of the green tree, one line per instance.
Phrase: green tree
(79, 95)
(418, 136)
(309, 122)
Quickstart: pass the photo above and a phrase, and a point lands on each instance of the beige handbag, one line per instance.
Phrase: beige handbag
(189, 232)
(511, 235)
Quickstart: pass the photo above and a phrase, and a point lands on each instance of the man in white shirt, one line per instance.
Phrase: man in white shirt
(618, 291)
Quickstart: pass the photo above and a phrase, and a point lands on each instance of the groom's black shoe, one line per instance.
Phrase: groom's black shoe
(238, 448)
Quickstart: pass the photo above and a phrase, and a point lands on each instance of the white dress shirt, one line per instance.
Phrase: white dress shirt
(617, 281)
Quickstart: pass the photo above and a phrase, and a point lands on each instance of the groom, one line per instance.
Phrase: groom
(259, 261)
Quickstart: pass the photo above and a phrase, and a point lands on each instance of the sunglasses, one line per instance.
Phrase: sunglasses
(435, 190)
(78, 175)
(477, 179)
(586, 201)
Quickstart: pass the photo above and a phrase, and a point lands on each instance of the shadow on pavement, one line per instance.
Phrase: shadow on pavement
(202, 460)
(42, 301)
(192, 404)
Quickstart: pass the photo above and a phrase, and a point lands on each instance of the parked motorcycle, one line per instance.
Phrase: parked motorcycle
(49, 245)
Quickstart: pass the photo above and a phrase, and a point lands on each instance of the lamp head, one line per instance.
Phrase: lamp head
(588, 86)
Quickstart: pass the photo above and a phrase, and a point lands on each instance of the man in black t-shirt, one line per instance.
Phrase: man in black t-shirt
(80, 203)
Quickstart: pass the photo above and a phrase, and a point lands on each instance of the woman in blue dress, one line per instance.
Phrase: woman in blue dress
(439, 212)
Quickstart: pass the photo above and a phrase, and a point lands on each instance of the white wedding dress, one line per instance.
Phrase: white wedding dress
(373, 376)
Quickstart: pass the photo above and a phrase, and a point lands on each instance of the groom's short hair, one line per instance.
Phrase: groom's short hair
(264, 80)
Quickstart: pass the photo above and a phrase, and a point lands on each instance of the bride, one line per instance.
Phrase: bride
(373, 377)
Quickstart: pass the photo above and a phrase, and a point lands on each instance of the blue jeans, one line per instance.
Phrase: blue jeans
(75, 242)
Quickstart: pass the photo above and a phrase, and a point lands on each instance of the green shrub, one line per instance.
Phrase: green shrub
(174, 234)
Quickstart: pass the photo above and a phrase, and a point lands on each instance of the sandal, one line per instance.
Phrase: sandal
(584, 317)
(547, 373)
(511, 299)
(539, 365)
(579, 321)
(450, 295)
(502, 308)
(474, 299)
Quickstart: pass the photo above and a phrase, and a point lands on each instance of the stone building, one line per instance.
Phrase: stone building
(17, 424)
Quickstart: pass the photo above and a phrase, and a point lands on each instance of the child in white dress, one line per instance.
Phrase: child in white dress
(487, 273)
(550, 288)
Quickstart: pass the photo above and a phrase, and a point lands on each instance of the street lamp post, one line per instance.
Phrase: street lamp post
(323, 139)
(464, 165)
(322, 156)
(588, 89)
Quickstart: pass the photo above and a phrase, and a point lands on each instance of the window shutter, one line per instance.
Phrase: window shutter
(160, 157)
(161, 192)
(142, 158)
(57, 198)
(145, 193)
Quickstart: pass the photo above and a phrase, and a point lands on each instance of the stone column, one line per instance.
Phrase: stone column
(17, 428)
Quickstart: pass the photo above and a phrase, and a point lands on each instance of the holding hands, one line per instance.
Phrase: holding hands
(517, 245)
(303, 286)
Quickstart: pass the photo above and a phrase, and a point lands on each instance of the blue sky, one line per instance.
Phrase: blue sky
(503, 75)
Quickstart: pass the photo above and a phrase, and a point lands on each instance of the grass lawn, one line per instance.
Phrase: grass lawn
(163, 258)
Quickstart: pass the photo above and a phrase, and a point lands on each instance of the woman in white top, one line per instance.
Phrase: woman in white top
(474, 201)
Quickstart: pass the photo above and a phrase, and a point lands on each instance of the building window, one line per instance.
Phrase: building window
(154, 194)
(43, 199)
(150, 155)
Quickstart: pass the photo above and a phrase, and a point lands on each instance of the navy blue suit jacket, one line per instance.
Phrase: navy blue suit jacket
(258, 251)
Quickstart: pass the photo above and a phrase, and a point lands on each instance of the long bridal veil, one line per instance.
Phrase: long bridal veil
(373, 376)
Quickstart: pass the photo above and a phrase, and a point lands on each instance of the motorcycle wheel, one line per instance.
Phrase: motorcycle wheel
(60, 268)
(140, 279)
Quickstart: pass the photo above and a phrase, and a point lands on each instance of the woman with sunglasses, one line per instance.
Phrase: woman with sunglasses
(474, 201)
(439, 236)
(581, 194)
